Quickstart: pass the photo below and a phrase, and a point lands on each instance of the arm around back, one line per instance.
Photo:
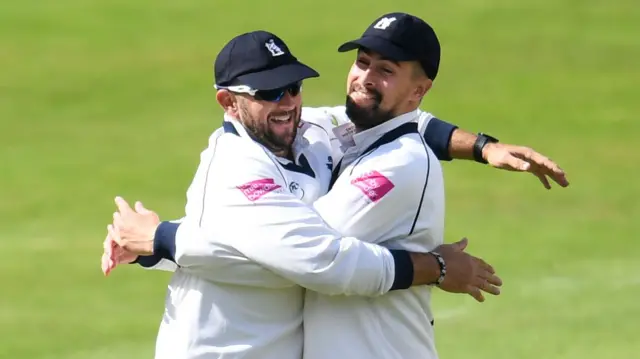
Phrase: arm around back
(250, 210)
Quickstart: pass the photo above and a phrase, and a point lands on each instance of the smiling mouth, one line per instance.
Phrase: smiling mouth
(363, 95)
(282, 119)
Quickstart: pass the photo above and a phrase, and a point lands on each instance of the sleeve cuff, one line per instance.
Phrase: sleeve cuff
(164, 242)
(404, 270)
(148, 261)
(164, 245)
(438, 136)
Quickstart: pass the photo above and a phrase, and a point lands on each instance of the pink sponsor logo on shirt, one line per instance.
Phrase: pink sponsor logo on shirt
(373, 184)
(255, 189)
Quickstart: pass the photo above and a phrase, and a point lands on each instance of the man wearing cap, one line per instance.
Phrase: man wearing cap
(249, 242)
(374, 194)
(394, 35)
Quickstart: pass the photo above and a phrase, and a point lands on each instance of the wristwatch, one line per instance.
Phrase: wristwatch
(482, 141)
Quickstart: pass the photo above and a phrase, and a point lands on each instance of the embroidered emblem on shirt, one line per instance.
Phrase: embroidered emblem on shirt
(334, 120)
(373, 184)
(255, 189)
(296, 190)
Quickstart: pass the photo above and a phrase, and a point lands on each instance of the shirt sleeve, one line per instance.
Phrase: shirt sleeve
(156, 261)
(437, 134)
(256, 216)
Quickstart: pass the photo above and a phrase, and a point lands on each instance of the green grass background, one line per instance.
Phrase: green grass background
(105, 98)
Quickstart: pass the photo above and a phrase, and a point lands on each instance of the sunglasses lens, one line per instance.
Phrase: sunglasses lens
(276, 95)
(269, 95)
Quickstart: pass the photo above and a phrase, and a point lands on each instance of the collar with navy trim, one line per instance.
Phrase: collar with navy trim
(300, 143)
(357, 142)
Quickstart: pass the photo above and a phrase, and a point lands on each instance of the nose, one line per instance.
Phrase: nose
(366, 79)
(287, 102)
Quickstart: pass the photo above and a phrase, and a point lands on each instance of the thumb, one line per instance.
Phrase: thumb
(140, 208)
(461, 245)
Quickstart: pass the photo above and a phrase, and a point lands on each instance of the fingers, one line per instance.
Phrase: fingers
(488, 282)
(516, 164)
(487, 273)
(484, 266)
(543, 166)
(140, 208)
(543, 179)
(117, 220)
(461, 244)
(558, 176)
(482, 285)
(105, 264)
(476, 293)
(123, 206)
(551, 169)
(493, 279)
(107, 244)
(114, 235)
(491, 289)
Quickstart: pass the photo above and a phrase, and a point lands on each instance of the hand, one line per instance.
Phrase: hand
(519, 158)
(134, 230)
(113, 253)
(466, 273)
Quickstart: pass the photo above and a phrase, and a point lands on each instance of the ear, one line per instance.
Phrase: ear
(228, 102)
(423, 86)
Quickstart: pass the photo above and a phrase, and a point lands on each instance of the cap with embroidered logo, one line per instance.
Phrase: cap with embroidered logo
(401, 37)
(260, 60)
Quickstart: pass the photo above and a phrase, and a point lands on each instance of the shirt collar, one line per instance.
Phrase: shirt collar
(366, 138)
(300, 143)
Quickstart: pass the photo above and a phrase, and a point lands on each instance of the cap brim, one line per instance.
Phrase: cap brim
(382, 46)
(278, 77)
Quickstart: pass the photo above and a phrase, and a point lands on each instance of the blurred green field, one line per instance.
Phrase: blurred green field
(105, 98)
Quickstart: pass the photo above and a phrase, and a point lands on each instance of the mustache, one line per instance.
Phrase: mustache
(291, 113)
(375, 93)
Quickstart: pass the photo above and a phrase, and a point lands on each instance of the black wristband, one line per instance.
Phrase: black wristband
(481, 141)
(443, 267)
(403, 269)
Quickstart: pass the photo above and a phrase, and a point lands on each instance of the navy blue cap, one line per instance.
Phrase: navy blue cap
(401, 37)
(260, 60)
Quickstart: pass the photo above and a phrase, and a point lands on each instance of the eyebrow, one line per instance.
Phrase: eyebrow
(381, 58)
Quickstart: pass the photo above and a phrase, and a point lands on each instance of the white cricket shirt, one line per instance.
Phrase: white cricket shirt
(244, 247)
(248, 245)
(393, 195)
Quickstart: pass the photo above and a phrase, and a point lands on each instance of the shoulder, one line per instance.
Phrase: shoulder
(327, 117)
(404, 162)
(423, 120)
(240, 157)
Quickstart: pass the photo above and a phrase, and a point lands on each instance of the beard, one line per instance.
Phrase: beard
(262, 130)
(366, 117)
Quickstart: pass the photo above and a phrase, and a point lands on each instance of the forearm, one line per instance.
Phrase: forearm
(448, 141)
(350, 267)
(197, 252)
(461, 144)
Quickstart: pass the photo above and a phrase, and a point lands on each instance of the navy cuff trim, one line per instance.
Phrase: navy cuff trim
(404, 269)
(164, 242)
(148, 261)
(438, 136)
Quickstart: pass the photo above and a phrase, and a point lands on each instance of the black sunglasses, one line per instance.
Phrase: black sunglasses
(276, 95)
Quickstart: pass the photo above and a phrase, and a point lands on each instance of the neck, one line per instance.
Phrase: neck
(360, 127)
(286, 153)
